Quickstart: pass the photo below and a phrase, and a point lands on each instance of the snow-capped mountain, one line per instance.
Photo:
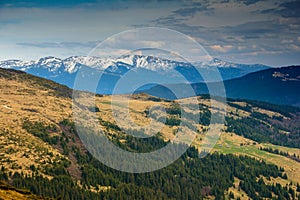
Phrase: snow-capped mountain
(159, 70)
(72, 64)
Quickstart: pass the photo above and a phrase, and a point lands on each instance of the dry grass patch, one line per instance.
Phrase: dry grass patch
(20, 100)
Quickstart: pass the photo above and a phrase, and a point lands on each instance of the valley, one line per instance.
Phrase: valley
(149, 100)
(257, 152)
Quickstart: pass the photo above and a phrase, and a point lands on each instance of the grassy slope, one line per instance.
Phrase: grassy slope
(231, 143)
(228, 142)
(23, 96)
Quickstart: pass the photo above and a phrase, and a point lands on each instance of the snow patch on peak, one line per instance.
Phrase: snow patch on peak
(220, 63)
(72, 64)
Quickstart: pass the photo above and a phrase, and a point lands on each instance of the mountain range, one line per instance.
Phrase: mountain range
(146, 70)
(153, 75)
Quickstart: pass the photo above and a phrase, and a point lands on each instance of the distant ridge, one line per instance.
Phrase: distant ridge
(275, 85)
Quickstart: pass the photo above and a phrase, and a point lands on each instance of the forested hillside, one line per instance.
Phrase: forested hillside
(40, 148)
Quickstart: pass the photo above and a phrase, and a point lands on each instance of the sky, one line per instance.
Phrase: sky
(241, 31)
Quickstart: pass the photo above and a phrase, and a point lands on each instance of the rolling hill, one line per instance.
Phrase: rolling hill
(256, 156)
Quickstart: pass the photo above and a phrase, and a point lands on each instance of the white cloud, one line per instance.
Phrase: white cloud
(241, 48)
(287, 41)
(233, 13)
(294, 47)
(221, 48)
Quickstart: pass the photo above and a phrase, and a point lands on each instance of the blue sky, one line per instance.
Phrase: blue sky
(247, 31)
